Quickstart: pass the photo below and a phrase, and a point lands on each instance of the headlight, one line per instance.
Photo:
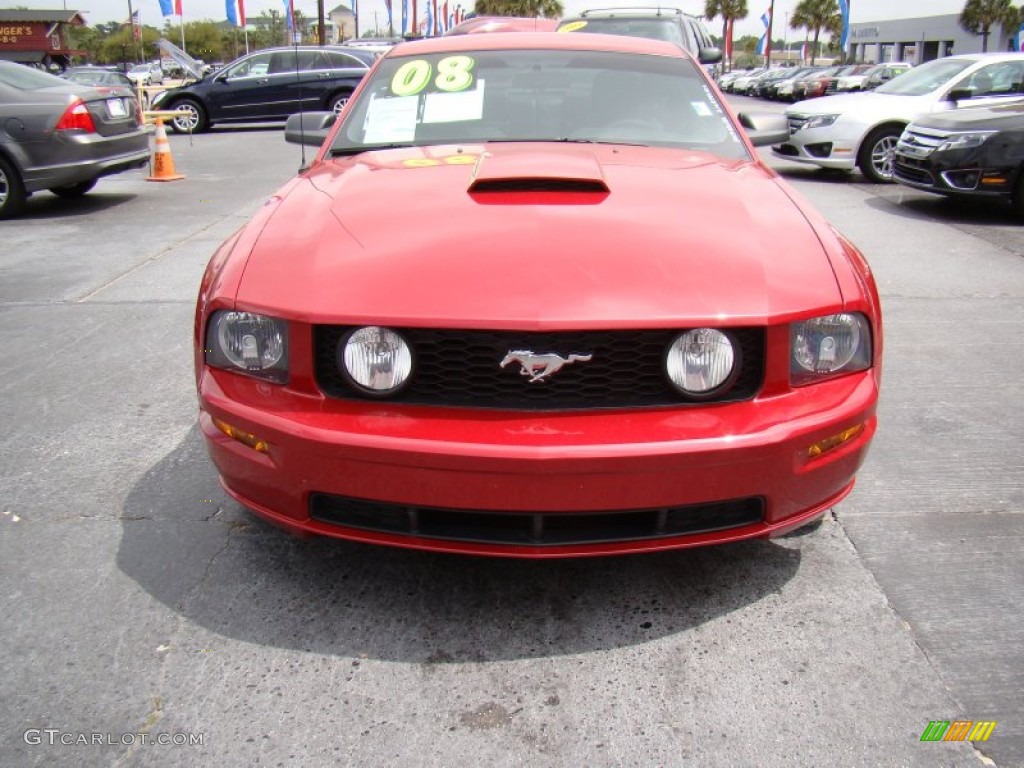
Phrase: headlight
(827, 346)
(159, 99)
(378, 360)
(965, 140)
(700, 361)
(256, 345)
(820, 121)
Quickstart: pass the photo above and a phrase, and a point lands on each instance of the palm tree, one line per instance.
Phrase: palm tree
(729, 10)
(979, 16)
(549, 9)
(816, 15)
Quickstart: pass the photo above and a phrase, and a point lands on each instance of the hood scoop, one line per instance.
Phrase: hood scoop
(534, 172)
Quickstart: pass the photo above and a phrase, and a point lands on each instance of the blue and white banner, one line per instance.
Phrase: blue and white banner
(844, 8)
(166, 7)
(762, 44)
(229, 10)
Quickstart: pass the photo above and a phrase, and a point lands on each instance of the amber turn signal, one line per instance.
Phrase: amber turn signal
(830, 443)
(243, 437)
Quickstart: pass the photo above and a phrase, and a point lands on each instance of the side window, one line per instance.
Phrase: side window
(982, 82)
(1007, 78)
(254, 66)
(344, 61)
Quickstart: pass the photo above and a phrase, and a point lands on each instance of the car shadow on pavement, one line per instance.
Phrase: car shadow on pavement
(203, 556)
(44, 205)
(921, 205)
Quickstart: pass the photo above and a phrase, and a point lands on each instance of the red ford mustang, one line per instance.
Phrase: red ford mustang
(537, 296)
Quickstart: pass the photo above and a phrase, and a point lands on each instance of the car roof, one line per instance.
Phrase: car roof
(636, 13)
(497, 41)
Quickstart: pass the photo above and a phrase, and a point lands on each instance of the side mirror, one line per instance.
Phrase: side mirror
(309, 128)
(959, 94)
(709, 55)
(765, 128)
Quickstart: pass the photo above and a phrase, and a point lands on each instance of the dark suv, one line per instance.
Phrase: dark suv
(670, 24)
(268, 85)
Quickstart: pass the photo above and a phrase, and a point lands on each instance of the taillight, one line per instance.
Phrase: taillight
(76, 117)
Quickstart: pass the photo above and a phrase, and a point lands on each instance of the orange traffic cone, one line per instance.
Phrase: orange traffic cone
(163, 163)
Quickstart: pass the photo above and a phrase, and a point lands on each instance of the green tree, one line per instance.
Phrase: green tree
(729, 10)
(815, 16)
(550, 9)
(979, 16)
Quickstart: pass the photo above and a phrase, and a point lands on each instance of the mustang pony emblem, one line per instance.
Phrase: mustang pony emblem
(539, 367)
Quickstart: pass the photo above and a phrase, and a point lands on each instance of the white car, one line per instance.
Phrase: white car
(867, 79)
(146, 74)
(860, 130)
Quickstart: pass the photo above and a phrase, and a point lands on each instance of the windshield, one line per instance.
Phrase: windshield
(140, 68)
(925, 78)
(538, 95)
(657, 28)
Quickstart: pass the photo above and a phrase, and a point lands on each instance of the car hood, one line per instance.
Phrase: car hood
(533, 236)
(865, 106)
(1001, 117)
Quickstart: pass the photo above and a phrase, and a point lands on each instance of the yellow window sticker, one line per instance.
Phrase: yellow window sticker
(572, 26)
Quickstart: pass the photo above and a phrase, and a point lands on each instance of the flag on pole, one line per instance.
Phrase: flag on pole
(177, 7)
(728, 40)
(803, 51)
(241, 13)
(136, 26)
(288, 14)
(229, 10)
(167, 7)
(762, 44)
(844, 8)
(391, 19)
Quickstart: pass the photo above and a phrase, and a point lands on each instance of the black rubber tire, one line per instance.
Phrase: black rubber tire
(338, 101)
(1017, 200)
(196, 122)
(74, 190)
(875, 156)
(12, 191)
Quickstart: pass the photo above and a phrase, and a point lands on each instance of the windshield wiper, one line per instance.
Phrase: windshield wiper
(346, 151)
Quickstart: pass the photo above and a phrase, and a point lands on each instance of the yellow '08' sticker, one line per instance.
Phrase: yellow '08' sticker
(572, 26)
(454, 74)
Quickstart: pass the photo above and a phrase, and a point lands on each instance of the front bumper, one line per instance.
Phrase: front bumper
(449, 464)
(832, 147)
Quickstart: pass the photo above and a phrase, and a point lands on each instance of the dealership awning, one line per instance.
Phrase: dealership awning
(22, 57)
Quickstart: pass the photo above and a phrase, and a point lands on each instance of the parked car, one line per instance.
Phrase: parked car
(969, 153)
(104, 76)
(780, 88)
(268, 86)
(877, 74)
(816, 84)
(61, 136)
(146, 74)
(669, 24)
(848, 75)
(601, 323)
(860, 130)
(743, 83)
(479, 24)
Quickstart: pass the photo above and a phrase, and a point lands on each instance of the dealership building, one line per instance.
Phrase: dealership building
(919, 40)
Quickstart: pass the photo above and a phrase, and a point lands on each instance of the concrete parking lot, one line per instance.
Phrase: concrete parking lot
(141, 605)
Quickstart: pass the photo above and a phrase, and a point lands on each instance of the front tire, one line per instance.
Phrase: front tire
(74, 190)
(876, 153)
(193, 121)
(338, 101)
(12, 191)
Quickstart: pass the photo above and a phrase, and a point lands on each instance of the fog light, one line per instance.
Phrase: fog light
(831, 443)
(245, 438)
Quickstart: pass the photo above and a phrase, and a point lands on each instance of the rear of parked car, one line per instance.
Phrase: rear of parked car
(59, 136)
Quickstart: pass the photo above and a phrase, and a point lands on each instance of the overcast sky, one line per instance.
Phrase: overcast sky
(97, 11)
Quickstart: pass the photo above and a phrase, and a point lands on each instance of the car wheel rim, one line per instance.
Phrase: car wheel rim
(881, 156)
(189, 121)
(340, 104)
(4, 188)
